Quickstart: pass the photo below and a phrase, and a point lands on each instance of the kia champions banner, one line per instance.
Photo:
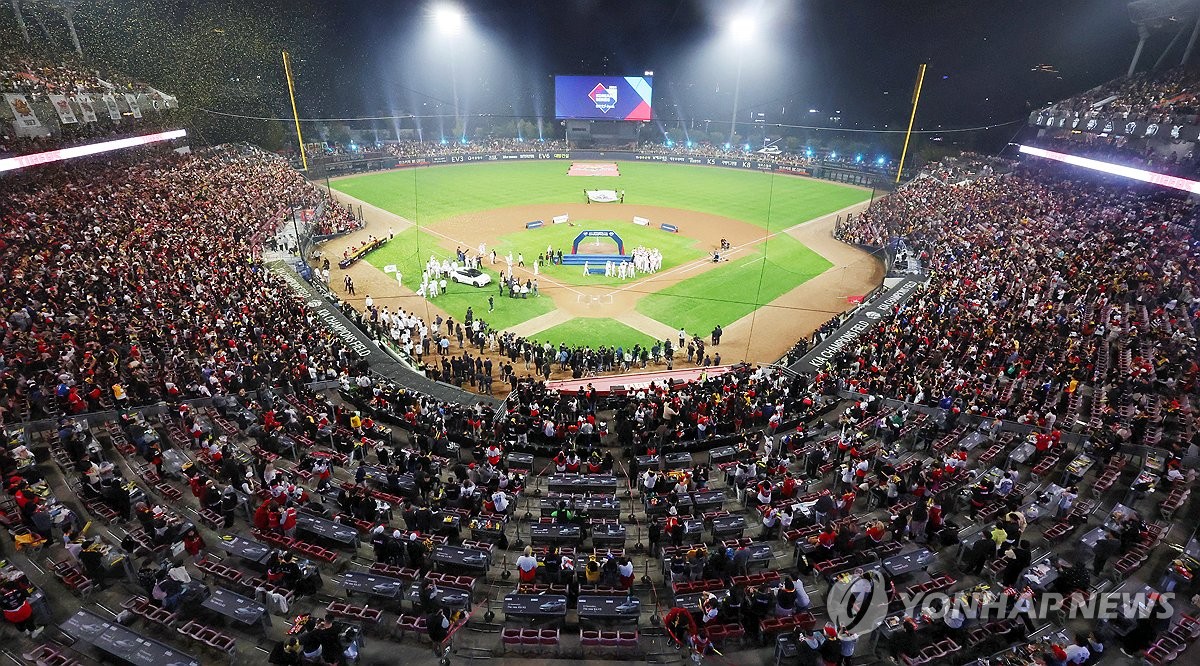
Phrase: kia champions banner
(603, 97)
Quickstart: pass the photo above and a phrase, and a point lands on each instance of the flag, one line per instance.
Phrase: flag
(65, 113)
(134, 107)
(22, 113)
(110, 102)
(85, 107)
(163, 100)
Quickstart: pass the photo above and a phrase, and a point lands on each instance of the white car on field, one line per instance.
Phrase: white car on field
(472, 276)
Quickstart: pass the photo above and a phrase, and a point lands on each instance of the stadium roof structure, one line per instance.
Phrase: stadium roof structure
(1158, 14)
(1152, 16)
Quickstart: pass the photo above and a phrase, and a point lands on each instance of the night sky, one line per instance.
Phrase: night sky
(858, 57)
(850, 64)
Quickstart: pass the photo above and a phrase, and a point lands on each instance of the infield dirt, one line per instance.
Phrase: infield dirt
(761, 336)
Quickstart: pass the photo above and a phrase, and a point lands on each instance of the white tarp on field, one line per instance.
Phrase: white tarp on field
(603, 196)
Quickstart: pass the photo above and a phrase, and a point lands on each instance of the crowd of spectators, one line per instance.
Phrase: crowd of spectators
(336, 218)
(1042, 286)
(1158, 97)
(141, 281)
(38, 77)
(408, 148)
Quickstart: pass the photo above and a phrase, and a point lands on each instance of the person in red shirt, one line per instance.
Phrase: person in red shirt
(789, 486)
(262, 516)
(288, 519)
(876, 531)
(1041, 444)
(826, 541)
(846, 504)
(17, 609)
(193, 543)
(935, 516)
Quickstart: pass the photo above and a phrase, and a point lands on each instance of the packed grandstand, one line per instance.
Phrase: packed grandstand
(193, 449)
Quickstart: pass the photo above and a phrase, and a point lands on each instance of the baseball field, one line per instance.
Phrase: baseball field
(777, 227)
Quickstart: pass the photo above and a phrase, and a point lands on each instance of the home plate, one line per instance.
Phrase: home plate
(589, 299)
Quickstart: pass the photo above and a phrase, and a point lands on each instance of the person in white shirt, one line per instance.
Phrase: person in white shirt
(1005, 485)
(1078, 653)
(785, 520)
(500, 500)
(625, 569)
(649, 480)
(1066, 502)
(527, 566)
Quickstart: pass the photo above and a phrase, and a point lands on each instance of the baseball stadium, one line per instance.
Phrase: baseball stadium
(741, 332)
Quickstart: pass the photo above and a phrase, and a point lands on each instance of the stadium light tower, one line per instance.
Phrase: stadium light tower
(741, 31)
(450, 20)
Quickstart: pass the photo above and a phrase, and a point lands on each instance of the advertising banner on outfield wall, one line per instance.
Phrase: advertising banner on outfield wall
(753, 164)
(438, 160)
(1117, 126)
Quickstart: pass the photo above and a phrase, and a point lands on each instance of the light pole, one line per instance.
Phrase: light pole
(741, 29)
(450, 21)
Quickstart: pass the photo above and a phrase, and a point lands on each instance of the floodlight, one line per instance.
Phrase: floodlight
(742, 28)
(449, 18)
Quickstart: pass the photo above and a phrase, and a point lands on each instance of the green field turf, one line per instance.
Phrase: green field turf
(426, 195)
(724, 295)
(409, 251)
(676, 248)
(595, 332)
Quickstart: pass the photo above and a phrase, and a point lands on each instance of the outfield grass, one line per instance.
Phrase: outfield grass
(771, 201)
(409, 251)
(676, 248)
(724, 295)
(595, 332)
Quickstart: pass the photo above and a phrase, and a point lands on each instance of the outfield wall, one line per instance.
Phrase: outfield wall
(840, 174)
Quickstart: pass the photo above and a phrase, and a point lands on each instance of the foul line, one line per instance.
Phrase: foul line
(457, 241)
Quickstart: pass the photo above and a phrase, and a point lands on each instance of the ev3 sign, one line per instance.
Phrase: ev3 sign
(605, 99)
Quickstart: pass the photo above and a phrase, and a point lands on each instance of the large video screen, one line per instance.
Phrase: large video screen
(603, 97)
